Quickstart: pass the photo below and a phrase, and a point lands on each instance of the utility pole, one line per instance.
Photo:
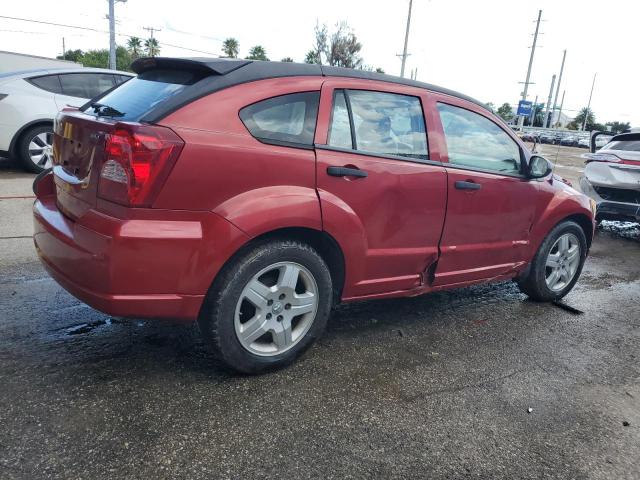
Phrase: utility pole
(584, 124)
(406, 41)
(64, 51)
(112, 33)
(533, 51)
(555, 100)
(546, 115)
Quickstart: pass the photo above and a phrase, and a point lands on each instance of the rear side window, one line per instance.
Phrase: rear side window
(86, 85)
(50, 83)
(379, 122)
(137, 96)
(287, 119)
(475, 141)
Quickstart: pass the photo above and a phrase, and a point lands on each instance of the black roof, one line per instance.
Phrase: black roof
(220, 73)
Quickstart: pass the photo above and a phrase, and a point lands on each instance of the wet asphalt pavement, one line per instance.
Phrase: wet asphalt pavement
(476, 383)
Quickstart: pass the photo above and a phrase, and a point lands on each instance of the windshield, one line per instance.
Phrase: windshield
(133, 99)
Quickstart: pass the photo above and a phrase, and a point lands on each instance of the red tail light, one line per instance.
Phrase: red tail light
(138, 159)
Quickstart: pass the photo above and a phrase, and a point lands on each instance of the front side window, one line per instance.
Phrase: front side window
(381, 123)
(285, 119)
(475, 141)
(86, 85)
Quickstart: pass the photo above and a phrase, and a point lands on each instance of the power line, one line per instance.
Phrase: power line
(103, 31)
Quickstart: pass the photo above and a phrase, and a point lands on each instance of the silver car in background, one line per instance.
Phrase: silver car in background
(612, 177)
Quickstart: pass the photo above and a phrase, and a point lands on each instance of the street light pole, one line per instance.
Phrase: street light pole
(584, 124)
(546, 115)
(555, 100)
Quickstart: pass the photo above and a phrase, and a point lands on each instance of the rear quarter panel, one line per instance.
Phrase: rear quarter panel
(222, 168)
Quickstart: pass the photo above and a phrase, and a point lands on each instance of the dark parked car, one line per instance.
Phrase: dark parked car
(254, 196)
(569, 141)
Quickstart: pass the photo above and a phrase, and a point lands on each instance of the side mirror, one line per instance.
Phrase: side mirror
(539, 167)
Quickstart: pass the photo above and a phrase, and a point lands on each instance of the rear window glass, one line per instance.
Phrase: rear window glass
(50, 83)
(284, 119)
(139, 95)
(628, 146)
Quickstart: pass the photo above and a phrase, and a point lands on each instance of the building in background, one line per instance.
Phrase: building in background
(16, 62)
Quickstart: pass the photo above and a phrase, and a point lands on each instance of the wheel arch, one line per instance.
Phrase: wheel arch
(16, 137)
(321, 241)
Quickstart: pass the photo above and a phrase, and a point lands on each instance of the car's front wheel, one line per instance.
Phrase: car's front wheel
(557, 265)
(34, 149)
(267, 306)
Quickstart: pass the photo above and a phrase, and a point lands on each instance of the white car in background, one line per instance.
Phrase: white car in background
(30, 100)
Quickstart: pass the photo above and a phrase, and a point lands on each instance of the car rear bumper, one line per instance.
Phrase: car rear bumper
(147, 268)
(609, 209)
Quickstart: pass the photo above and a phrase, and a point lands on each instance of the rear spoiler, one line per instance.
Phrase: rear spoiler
(215, 66)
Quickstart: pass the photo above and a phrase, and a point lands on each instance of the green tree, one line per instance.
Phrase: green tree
(505, 111)
(72, 56)
(100, 58)
(312, 57)
(490, 106)
(152, 47)
(379, 70)
(257, 53)
(618, 127)
(287, 59)
(134, 45)
(577, 122)
(231, 47)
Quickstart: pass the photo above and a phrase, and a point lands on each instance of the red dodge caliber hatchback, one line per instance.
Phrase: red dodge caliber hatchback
(254, 196)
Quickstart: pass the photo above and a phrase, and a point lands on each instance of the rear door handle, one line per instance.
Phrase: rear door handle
(346, 172)
(460, 185)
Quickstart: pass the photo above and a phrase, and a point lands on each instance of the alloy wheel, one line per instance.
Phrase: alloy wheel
(276, 309)
(562, 262)
(40, 149)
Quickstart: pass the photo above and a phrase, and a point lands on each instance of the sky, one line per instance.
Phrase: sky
(480, 48)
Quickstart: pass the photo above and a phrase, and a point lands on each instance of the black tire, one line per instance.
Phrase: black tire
(533, 282)
(22, 147)
(217, 318)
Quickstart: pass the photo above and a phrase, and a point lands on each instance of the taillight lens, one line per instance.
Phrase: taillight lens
(138, 159)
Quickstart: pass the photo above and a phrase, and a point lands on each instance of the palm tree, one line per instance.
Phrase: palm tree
(152, 47)
(258, 53)
(134, 45)
(231, 47)
(287, 59)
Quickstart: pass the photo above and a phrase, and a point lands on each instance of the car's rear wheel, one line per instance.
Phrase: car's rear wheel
(268, 306)
(34, 149)
(557, 265)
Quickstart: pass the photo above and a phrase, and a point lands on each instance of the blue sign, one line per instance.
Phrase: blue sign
(524, 108)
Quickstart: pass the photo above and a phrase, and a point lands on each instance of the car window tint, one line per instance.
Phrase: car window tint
(340, 130)
(475, 141)
(388, 124)
(50, 83)
(287, 118)
(141, 94)
(85, 85)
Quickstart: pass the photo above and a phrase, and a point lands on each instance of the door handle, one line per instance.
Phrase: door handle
(460, 185)
(346, 172)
